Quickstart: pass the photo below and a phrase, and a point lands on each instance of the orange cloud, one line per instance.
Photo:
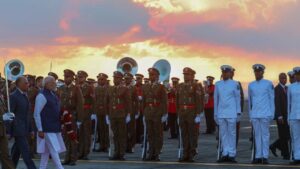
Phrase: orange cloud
(67, 40)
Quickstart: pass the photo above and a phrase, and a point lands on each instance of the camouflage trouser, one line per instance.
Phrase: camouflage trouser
(155, 136)
(118, 126)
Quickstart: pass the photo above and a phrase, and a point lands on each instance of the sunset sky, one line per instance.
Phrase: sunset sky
(94, 35)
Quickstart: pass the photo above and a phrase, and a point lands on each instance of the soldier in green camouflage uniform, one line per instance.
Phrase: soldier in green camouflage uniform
(119, 109)
(71, 100)
(189, 106)
(101, 111)
(155, 112)
(85, 128)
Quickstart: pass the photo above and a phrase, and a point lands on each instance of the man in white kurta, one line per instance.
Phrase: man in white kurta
(294, 116)
(261, 110)
(227, 108)
(47, 119)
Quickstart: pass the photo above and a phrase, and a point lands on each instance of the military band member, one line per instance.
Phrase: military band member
(261, 111)
(172, 111)
(189, 106)
(71, 100)
(155, 113)
(209, 106)
(146, 81)
(227, 109)
(119, 109)
(85, 128)
(131, 131)
(101, 111)
(139, 116)
(294, 115)
(6, 162)
(291, 76)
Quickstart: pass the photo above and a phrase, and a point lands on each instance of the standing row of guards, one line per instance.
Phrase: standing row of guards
(121, 115)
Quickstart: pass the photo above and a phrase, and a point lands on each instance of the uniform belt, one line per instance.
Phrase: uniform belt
(188, 106)
(118, 106)
(87, 106)
(153, 104)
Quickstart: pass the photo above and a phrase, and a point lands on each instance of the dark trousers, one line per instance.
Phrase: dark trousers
(210, 122)
(21, 147)
(139, 129)
(284, 136)
(173, 125)
(5, 160)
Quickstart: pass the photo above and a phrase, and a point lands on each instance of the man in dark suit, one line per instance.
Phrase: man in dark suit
(281, 118)
(21, 126)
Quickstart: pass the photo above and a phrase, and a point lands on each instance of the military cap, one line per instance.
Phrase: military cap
(226, 68)
(53, 75)
(82, 73)
(296, 70)
(139, 76)
(118, 74)
(291, 73)
(152, 69)
(128, 75)
(175, 79)
(68, 72)
(258, 67)
(188, 70)
(210, 77)
(102, 75)
(90, 80)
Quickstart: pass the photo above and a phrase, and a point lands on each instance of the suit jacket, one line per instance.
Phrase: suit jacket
(280, 102)
(20, 106)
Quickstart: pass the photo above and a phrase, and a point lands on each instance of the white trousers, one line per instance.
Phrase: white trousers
(54, 155)
(227, 131)
(261, 129)
(295, 135)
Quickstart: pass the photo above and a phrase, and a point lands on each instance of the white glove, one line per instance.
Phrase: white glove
(197, 119)
(239, 116)
(137, 115)
(107, 120)
(93, 117)
(164, 118)
(8, 116)
(78, 124)
(128, 118)
(140, 98)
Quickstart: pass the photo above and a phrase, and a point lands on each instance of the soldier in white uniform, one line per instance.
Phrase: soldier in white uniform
(294, 115)
(227, 108)
(261, 110)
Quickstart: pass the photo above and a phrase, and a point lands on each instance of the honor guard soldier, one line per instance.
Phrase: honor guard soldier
(146, 81)
(227, 109)
(172, 111)
(6, 162)
(139, 117)
(119, 106)
(294, 116)
(155, 113)
(85, 128)
(189, 105)
(131, 131)
(261, 111)
(71, 99)
(32, 93)
(238, 124)
(291, 76)
(101, 111)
